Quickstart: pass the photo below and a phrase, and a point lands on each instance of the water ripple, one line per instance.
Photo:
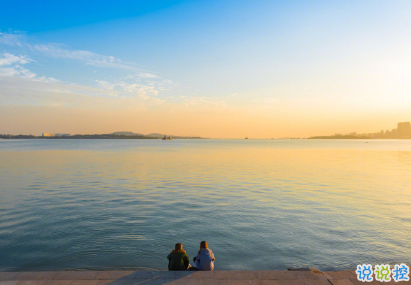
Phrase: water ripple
(115, 205)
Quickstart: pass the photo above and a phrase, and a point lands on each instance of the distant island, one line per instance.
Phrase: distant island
(115, 135)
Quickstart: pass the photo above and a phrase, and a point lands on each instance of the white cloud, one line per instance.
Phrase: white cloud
(23, 72)
(13, 66)
(15, 69)
(9, 59)
(48, 79)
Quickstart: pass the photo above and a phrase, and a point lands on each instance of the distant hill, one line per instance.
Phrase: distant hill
(128, 134)
(155, 135)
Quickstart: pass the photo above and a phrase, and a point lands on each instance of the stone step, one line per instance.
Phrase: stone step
(269, 277)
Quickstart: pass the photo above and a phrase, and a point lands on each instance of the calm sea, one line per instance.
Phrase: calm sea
(260, 204)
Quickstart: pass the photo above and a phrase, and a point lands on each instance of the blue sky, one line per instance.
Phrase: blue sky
(233, 67)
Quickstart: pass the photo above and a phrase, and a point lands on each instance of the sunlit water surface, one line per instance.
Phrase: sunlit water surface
(260, 204)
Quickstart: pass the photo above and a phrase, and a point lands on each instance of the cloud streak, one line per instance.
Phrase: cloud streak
(12, 39)
(90, 58)
(26, 91)
(56, 50)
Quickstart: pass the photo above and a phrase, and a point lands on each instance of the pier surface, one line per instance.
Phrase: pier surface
(275, 277)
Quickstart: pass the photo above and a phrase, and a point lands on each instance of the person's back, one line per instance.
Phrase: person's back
(178, 258)
(205, 257)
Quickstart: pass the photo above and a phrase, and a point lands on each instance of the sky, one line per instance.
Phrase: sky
(217, 69)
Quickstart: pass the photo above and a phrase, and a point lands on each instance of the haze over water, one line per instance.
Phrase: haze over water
(260, 204)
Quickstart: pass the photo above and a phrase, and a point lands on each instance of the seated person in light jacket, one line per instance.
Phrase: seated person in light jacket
(178, 258)
(205, 257)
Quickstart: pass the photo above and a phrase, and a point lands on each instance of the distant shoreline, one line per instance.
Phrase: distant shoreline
(79, 137)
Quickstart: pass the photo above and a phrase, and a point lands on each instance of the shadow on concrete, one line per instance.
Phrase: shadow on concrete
(156, 278)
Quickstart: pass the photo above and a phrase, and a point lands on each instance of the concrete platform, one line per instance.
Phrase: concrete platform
(275, 277)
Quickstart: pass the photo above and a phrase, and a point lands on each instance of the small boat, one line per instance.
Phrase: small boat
(246, 138)
(167, 138)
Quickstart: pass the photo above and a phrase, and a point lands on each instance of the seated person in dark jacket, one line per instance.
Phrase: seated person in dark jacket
(178, 258)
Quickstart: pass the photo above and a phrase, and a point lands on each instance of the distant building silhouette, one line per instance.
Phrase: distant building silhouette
(404, 130)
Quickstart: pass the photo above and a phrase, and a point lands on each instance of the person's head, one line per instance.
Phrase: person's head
(178, 248)
(203, 244)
